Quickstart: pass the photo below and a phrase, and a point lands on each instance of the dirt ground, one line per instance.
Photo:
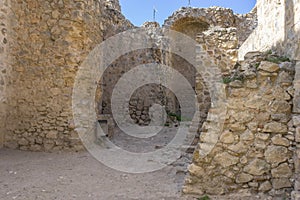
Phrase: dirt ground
(30, 175)
(79, 176)
(49, 176)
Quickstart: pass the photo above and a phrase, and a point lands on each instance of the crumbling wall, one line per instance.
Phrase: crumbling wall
(246, 24)
(214, 29)
(222, 44)
(215, 17)
(143, 98)
(113, 4)
(296, 123)
(254, 152)
(147, 95)
(49, 40)
(278, 29)
(4, 67)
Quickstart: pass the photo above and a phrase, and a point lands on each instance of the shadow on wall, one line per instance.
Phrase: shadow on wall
(278, 29)
(147, 95)
(291, 40)
(290, 44)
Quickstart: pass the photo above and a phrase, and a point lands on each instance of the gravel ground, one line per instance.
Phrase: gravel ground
(49, 176)
(31, 175)
(78, 176)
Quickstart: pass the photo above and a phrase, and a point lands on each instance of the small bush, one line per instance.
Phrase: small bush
(229, 79)
(204, 198)
(269, 52)
(271, 57)
(178, 117)
(278, 60)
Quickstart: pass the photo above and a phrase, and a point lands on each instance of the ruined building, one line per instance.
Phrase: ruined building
(44, 42)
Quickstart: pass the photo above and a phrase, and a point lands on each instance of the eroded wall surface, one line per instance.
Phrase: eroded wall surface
(278, 29)
(254, 152)
(4, 63)
(215, 17)
(50, 39)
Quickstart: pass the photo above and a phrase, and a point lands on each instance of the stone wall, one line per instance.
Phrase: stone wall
(4, 63)
(222, 43)
(147, 95)
(278, 29)
(143, 98)
(254, 152)
(49, 40)
(296, 123)
(113, 4)
(246, 24)
(214, 30)
(214, 17)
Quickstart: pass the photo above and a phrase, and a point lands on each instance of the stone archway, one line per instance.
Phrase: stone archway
(190, 26)
(205, 63)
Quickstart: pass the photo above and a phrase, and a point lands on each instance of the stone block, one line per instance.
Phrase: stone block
(281, 183)
(257, 167)
(296, 120)
(243, 178)
(281, 141)
(268, 66)
(265, 186)
(275, 127)
(296, 101)
(225, 159)
(282, 171)
(297, 135)
(276, 154)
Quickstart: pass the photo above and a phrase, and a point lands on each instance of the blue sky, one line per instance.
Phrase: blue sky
(139, 11)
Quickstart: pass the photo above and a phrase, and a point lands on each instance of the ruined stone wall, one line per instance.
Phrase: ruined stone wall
(278, 29)
(296, 123)
(246, 24)
(49, 40)
(113, 4)
(142, 99)
(222, 44)
(220, 26)
(146, 95)
(4, 67)
(216, 17)
(219, 42)
(254, 152)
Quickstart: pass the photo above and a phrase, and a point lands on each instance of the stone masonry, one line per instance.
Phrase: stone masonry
(3, 68)
(278, 28)
(47, 42)
(43, 42)
(255, 149)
